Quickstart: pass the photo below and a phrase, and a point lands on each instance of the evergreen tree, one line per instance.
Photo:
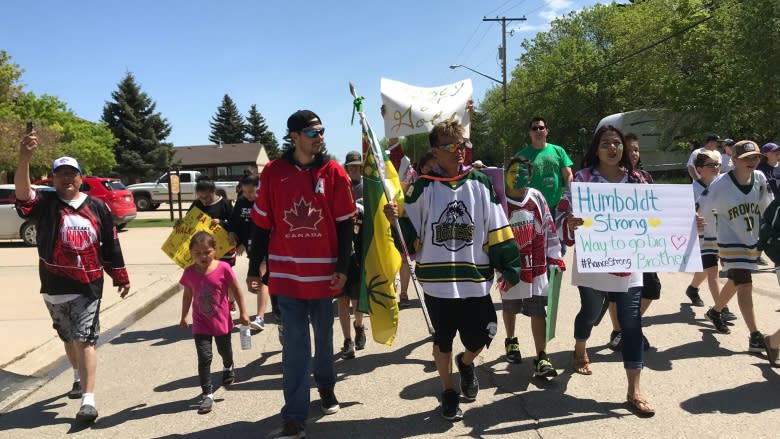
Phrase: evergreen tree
(140, 149)
(257, 132)
(227, 126)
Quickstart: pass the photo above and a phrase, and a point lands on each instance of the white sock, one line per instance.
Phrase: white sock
(76, 377)
(88, 398)
(227, 368)
(210, 395)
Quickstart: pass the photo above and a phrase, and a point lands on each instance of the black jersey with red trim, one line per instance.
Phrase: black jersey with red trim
(74, 245)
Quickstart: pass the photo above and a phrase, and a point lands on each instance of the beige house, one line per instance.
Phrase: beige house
(222, 162)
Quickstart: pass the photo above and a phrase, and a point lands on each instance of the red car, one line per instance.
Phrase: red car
(112, 192)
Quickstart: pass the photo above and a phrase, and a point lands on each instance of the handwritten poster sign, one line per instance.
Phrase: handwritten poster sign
(177, 246)
(414, 110)
(635, 227)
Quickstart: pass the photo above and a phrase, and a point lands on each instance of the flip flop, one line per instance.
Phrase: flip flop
(640, 406)
(582, 365)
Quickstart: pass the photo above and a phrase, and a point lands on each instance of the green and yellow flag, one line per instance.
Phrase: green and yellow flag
(380, 259)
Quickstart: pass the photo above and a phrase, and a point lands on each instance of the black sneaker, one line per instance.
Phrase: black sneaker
(543, 367)
(512, 347)
(403, 301)
(75, 391)
(205, 405)
(360, 337)
(450, 406)
(693, 294)
(717, 320)
(291, 430)
(727, 315)
(756, 342)
(615, 341)
(328, 401)
(469, 384)
(87, 413)
(348, 351)
(228, 376)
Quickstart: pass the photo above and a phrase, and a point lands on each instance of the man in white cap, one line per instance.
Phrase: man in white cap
(77, 240)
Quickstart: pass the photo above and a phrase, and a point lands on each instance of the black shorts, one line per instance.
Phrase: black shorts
(740, 276)
(473, 317)
(352, 285)
(709, 261)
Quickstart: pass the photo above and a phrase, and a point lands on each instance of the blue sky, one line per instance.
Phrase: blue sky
(280, 55)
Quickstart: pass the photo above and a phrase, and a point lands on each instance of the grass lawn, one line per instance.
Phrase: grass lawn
(155, 222)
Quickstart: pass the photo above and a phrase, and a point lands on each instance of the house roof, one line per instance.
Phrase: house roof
(228, 153)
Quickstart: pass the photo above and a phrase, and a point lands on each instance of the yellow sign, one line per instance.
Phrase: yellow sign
(177, 246)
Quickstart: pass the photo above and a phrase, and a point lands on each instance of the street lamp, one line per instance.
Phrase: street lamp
(503, 84)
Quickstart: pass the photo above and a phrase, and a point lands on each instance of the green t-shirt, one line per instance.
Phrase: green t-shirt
(547, 177)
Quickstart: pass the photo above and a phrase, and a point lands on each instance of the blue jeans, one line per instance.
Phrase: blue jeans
(296, 353)
(591, 303)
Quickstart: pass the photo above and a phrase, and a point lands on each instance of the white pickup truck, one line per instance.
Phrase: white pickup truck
(149, 196)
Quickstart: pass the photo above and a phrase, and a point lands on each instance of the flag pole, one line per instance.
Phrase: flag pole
(373, 146)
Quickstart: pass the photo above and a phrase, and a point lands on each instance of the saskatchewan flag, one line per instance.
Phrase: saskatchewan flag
(381, 260)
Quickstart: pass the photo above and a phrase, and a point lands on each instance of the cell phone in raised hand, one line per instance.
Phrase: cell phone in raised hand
(30, 127)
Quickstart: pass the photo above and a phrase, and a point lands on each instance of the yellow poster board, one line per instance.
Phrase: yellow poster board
(177, 246)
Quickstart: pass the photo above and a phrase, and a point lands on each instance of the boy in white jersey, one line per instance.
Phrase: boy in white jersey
(454, 216)
(739, 198)
(535, 234)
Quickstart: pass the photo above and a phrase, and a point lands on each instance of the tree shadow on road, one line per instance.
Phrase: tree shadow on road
(754, 398)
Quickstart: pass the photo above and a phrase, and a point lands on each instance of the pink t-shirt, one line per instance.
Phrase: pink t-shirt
(210, 308)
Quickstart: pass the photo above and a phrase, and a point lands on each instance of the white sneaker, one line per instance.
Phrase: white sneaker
(257, 323)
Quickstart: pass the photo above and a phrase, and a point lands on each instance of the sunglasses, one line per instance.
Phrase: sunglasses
(538, 128)
(711, 165)
(452, 147)
(314, 133)
(606, 145)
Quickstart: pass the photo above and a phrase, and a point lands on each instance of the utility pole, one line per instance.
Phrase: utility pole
(502, 49)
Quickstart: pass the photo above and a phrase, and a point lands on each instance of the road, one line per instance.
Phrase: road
(702, 383)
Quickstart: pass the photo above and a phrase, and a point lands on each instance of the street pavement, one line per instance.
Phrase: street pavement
(701, 383)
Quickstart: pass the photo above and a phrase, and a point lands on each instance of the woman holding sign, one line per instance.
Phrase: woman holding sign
(606, 161)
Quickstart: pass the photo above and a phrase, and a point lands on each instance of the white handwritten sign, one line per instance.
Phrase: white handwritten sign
(635, 227)
(413, 110)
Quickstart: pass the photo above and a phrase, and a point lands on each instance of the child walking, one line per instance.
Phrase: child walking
(207, 283)
(535, 234)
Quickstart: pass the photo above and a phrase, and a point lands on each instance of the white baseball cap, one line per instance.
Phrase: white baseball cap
(65, 161)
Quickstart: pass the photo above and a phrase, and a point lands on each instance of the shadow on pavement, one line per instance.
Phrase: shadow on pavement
(161, 337)
(747, 398)
(38, 414)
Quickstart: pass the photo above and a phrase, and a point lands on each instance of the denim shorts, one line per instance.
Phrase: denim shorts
(77, 319)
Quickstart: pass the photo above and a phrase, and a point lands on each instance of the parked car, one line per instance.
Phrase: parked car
(112, 192)
(148, 196)
(12, 226)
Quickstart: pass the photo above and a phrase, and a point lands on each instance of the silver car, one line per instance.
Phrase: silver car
(11, 225)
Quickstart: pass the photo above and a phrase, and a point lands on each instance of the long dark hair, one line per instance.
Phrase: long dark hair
(591, 158)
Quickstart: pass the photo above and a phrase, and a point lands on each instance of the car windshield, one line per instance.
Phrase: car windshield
(114, 185)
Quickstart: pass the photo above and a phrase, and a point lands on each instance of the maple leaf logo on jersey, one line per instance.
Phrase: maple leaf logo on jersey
(302, 216)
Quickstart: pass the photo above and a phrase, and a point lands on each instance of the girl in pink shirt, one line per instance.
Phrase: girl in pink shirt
(207, 283)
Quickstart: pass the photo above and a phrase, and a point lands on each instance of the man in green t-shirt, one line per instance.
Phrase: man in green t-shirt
(551, 165)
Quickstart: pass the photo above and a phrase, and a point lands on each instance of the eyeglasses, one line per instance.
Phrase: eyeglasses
(452, 147)
(314, 133)
(711, 165)
(538, 128)
(606, 145)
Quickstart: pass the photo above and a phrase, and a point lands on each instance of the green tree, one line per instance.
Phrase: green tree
(140, 150)
(9, 77)
(227, 126)
(257, 132)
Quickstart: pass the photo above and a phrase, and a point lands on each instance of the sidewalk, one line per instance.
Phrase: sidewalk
(701, 383)
(31, 348)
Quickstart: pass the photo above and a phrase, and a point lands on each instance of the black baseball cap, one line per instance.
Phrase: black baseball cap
(301, 120)
(713, 138)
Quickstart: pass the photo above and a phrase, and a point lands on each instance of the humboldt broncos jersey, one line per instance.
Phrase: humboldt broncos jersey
(462, 235)
(739, 210)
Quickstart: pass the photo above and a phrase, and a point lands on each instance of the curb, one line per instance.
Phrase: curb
(113, 322)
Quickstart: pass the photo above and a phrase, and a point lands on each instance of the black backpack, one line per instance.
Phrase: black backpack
(769, 233)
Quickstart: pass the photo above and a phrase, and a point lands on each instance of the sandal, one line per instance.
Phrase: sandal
(582, 364)
(640, 406)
